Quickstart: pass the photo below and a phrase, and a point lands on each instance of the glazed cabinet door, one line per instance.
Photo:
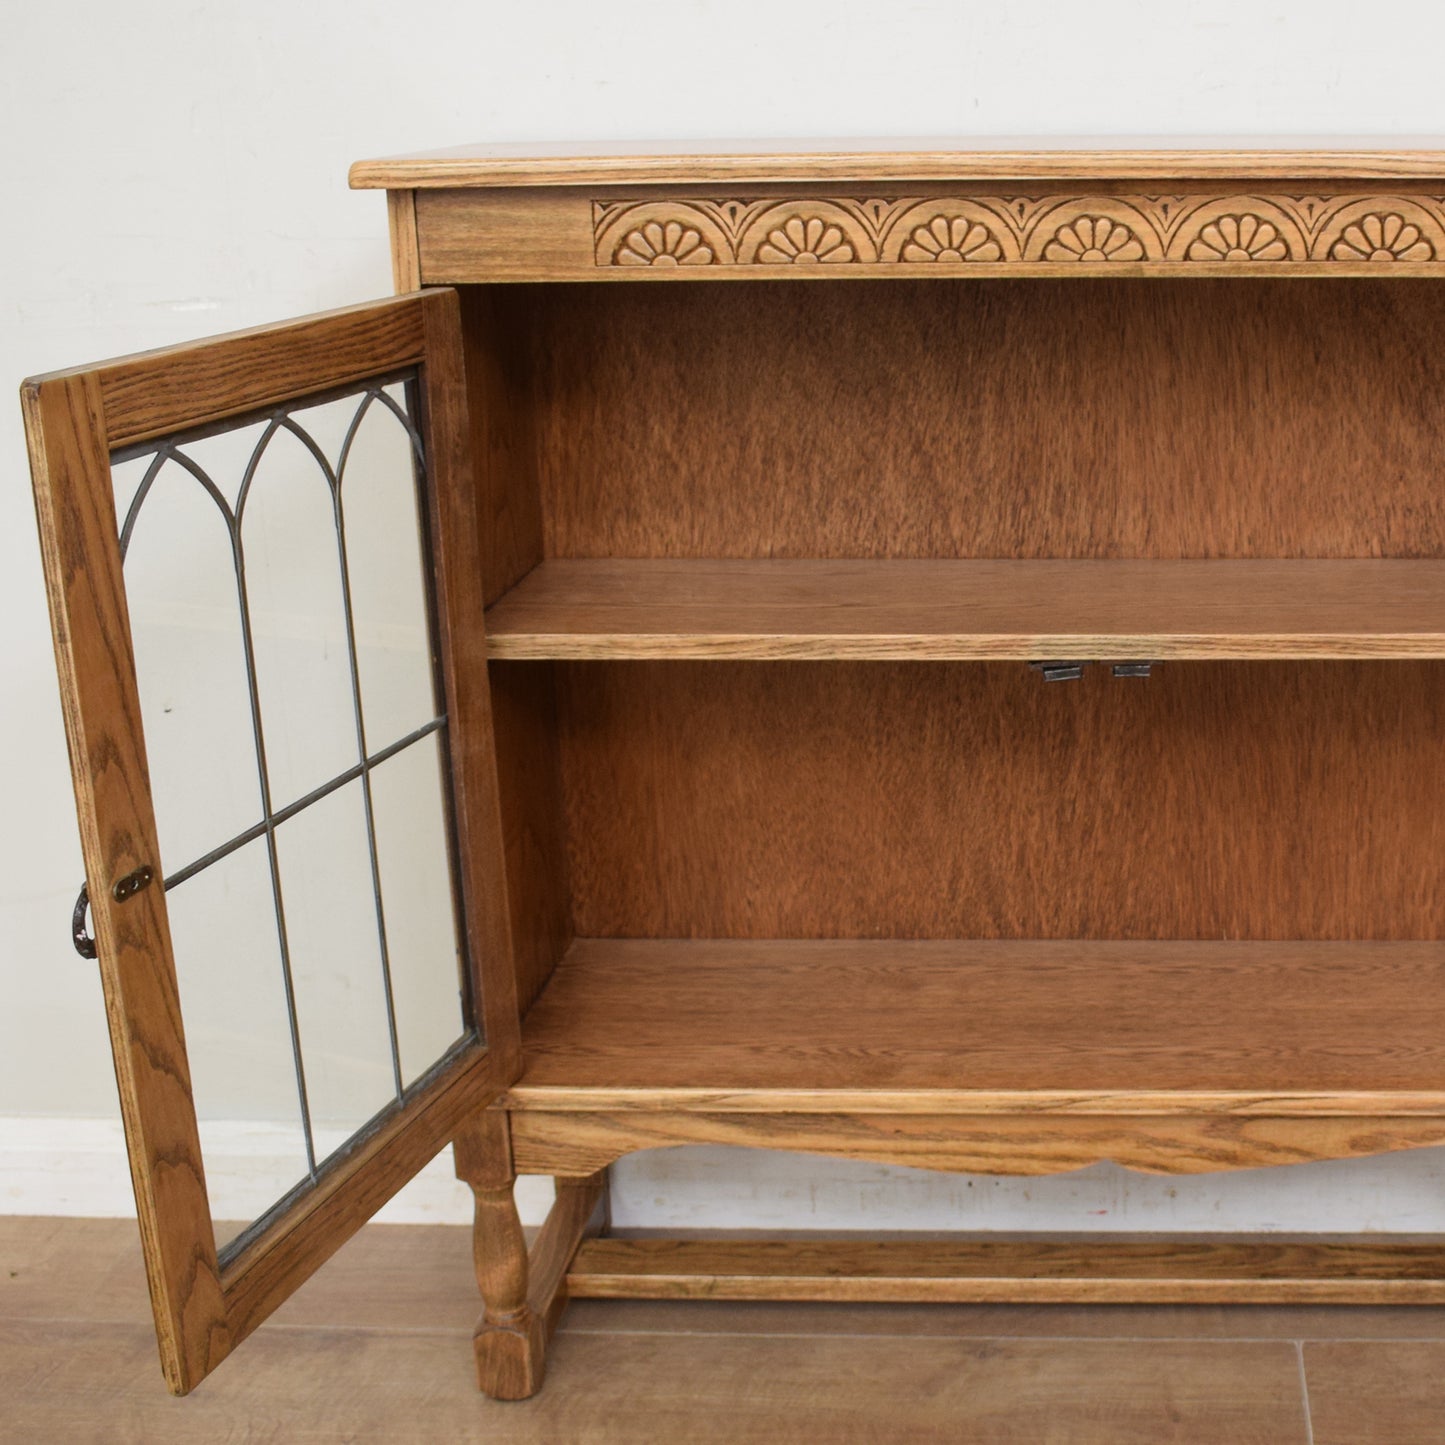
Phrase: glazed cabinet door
(261, 556)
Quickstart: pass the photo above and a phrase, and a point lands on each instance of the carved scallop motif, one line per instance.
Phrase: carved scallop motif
(1244, 237)
(1001, 228)
(1238, 230)
(1382, 236)
(809, 232)
(663, 243)
(806, 240)
(951, 238)
(1094, 230)
(947, 230)
(1094, 238)
(659, 236)
(1381, 229)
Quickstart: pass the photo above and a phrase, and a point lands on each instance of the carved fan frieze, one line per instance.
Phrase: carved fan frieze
(1002, 229)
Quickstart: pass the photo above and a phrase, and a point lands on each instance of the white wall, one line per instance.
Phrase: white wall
(177, 169)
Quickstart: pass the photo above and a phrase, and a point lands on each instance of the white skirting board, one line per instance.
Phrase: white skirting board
(78, 1167)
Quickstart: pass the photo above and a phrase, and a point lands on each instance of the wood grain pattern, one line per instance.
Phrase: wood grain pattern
(455, 546)
(613, 1386)
(1359, 1391)
(887, 159)
(510, 1340)
(573, 1217)
(1034, 230)
(524, 1293)
(405, 256)
(1192, 1019)
(1001, 419)
(74, 419)
(604, 608)
(1028, 1143)
(1227, 801)
(509, 541)
(66, 429)
(199, 382)
(1219, 1269)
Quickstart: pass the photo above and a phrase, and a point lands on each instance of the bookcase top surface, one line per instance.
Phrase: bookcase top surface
(924, 159)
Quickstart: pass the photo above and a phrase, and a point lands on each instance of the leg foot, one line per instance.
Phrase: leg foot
(511, 1355)
(523, 1297)
(510, 1339)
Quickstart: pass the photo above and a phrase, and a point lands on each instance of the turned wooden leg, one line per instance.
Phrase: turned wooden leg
(510, 1339)
(522, 1297)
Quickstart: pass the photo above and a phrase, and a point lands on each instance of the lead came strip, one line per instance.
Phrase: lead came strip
(171, 449)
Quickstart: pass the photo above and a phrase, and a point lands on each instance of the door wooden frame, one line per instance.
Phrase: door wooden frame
(74, 420)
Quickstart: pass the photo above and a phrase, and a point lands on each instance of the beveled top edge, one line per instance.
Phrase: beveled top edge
(931, 159)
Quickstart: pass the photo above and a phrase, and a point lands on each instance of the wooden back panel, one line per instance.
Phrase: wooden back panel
(973, 800)
(1092, 418)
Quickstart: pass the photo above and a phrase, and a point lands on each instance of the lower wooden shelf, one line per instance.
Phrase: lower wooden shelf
(1082, 1269)
(995, 1057)
(991, 1025)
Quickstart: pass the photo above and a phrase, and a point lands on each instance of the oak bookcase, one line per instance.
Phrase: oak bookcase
(768, 834)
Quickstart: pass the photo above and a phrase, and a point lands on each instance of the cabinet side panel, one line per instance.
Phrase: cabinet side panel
(928, 800)
(529, 759)
(495, 324)
(1090, 418)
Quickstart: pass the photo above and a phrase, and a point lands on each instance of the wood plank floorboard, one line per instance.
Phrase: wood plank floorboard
(1041, 1322)
(79, 1382)
(377, 1348)
(1369, 1391)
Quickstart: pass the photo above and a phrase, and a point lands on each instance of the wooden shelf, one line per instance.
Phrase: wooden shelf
(982, 610)
(914, 1027)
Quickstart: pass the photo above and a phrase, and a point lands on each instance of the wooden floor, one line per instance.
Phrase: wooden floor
(377, 1348)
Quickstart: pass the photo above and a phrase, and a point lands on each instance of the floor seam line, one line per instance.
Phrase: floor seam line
(1304, 1390)
(966, 1339)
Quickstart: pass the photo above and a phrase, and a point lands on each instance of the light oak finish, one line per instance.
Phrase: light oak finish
(509, 538)
(197, 383)
(1102, 1269)
(524, 1292)
(405, 257)
(1003, 1057)
(473, 797)
(1184, 1020)
(579, 1212)
(74, 420)
(510, 1340)
(882, 159)
(896, 610)
(962, 1142)
(67, 433)
(805, 233)
(1211, 232)
(1114, 402)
